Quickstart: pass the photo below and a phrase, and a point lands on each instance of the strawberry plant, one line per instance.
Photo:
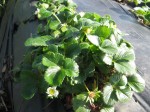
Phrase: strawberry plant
(137, 1)
(143, 13)
(80, 54)
(142, 10)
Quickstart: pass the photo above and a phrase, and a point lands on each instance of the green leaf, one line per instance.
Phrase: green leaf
(79, 103)
(99, 62)
(136, 1)
(28, 57)
(64, 28)
(139, 11)
(114, 39)
(136, 82)
(72, 50)
(84, 45)
(71, 32)
(124, 60)
(147, 16)
(51, 48)
(85, 72)
(103, 31)
(88, 22)
(94, 39)
(37, 63)
(107, 59)
(123, 81)
(107, 109)
(125, 67)
(54, 76)
(109, 95)
(118, 80)
(54, 24)
(44, 13)
(71, 67)
(28, 81)
(92, 16)
(48, 63)
(38, 41)
(124, 95)
(56, 33)
(28, 91)
(125, 54)
(58, 68)
(108, 47)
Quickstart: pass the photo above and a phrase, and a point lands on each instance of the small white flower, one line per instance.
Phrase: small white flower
(52, 92)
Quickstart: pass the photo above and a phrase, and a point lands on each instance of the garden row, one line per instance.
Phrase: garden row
(141, 8)
(81, 56)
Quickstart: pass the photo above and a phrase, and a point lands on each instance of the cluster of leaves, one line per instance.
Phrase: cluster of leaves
(139, 1)
(82, 54)
(136, 2)
(143, 12)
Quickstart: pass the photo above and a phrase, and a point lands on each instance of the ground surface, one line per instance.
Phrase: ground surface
(17, 26)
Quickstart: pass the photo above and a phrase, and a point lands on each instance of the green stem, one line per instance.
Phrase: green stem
(56, 17)
(86, 87)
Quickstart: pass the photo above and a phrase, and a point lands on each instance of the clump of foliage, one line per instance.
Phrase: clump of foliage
(143, 13)
(81, 54)
(136, 2)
